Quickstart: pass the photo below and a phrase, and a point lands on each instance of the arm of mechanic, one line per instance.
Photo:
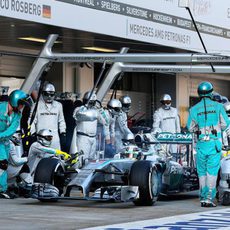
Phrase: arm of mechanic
(14, 158)
(191, 122)
(224, 120)
(61, 120)
(178, 125)
(156, 120)
(122, 123)
(103, 118)
(13, 126)
(112, 131)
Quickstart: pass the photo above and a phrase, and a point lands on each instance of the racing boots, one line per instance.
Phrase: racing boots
(207, 204)
(202, 203)
(8, 195)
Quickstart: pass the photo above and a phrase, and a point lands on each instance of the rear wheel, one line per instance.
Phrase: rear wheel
(50, 170)
(144, 175)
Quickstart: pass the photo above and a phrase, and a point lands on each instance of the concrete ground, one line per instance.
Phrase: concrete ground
(31, 214)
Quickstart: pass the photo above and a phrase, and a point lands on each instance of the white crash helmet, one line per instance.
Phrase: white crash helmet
(17, 137)
(126, 103)
(166, 101)
(227, 108)
(4, 90)
(114, 106)
(92, 100)
(45, 137)
(216, 97)
(48, 93)
(129, 137)
(224, 100)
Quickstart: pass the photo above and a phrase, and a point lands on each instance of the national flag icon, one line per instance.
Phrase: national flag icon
(46, 11)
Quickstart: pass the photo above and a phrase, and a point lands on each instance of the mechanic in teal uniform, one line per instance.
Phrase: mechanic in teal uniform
(208, 119)
(10, 115)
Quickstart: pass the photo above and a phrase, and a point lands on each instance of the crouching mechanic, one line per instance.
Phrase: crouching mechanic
(10, 115)
(208, 119)
(41, 149)
(19, 177)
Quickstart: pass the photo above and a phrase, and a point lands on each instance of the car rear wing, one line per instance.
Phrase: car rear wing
(175, 138)
(166, 138)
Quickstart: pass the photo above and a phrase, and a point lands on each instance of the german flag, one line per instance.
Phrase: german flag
(46, 11)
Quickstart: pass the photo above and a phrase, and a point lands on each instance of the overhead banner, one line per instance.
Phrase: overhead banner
(160, 22)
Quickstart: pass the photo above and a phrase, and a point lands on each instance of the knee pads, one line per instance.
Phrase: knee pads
(4, 164)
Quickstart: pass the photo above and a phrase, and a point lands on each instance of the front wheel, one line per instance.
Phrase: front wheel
(144, 175)
(50, 171)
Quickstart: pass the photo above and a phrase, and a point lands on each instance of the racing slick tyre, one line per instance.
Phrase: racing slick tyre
(144, 175)
(226, 199)
(50, 171)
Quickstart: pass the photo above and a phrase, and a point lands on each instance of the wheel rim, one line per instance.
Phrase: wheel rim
(153, 184)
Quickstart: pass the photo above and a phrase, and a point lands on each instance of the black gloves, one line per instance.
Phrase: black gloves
(110, 151)
(63, 141)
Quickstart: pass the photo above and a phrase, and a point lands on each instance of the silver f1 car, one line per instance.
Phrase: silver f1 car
(224, 175)
(139, 173)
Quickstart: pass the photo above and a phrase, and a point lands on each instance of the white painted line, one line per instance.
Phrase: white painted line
(214, 219)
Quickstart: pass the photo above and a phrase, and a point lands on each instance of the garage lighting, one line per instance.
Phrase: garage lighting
(99, 49)
(183, 3)
(33, 39)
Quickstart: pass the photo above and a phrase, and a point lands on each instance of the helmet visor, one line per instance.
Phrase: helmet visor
(28, 101)
(48, 138)
(48, 96)
(126, 106)
(116, 109)
(49, 93)
(167, 102)
(92, 103)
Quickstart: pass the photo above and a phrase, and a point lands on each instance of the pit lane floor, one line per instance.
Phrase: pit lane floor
(28, 214)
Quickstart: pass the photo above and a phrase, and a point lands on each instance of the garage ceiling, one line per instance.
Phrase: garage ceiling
(71, 40)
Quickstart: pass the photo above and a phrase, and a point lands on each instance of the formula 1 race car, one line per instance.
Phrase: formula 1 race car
(114, 179)
(139, 173)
